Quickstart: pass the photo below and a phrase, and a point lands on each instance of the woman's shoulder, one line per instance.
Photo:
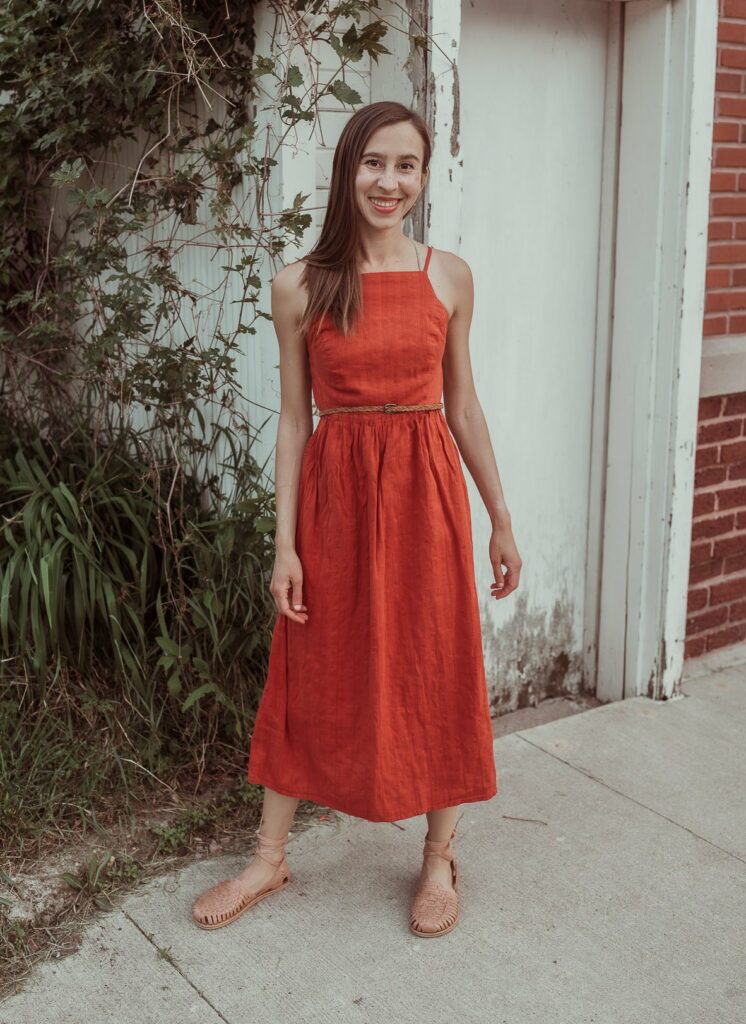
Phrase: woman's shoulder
(288, 278)
(451, 266)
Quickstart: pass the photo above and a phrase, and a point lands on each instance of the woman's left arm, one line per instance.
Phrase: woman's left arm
(467, 423)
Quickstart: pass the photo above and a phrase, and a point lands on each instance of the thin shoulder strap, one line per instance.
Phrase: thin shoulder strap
(427, 258)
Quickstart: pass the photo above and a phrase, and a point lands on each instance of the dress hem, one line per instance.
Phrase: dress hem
(480, 795)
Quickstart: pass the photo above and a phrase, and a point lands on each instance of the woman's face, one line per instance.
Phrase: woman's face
(390, 168)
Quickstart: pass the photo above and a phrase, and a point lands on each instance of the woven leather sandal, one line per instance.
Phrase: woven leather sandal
(226, 901)
(435, 909)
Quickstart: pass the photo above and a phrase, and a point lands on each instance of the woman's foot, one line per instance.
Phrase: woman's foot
(438, 869)
(435, 907)
(266, 873)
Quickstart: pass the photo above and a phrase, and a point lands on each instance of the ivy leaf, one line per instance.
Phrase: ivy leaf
(68, 173)
(295, 78)
(344, 93)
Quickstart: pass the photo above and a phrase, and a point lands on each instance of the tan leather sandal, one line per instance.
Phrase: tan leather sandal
(226, 901)
(435, 909)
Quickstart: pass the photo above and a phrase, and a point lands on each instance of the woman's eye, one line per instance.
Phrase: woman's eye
(405, 166)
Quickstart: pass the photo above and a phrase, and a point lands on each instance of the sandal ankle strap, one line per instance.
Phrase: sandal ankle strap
(271, 850)
(442, 847)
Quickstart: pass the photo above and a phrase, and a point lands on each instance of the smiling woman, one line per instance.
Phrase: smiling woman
(375, 701)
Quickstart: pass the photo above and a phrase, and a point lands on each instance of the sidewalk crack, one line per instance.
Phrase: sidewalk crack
(176, 967)
(588, 775)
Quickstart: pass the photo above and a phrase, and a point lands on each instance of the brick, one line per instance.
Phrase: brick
(724, 205)
(740, 229)
(707, 620)
(695, 647)
(696, 599)
(737, 471)
(704, 572)
(727, 252)
(731, 497)
(714, 325)
(701, 553)
(738, 275)
(731, 32)
(729, 590)
(728, 81)
(731, 106)
(710, 477)
(732, 452)
(722, 277)
(704, 503)
(732, 298)
(717, 526)
(726, 131)
(741, 520)
(723, 181)
(737, 611)
(731, 58)
(710, 408)
(719, 430)
(706, 456)
(725, 637)
(733, 9)
(736, 324)
(729, 156)
(736, 563)
(725, 547)
(720, 230)
(735, 404)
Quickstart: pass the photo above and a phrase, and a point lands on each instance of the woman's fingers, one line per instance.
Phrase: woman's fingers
(297, 612)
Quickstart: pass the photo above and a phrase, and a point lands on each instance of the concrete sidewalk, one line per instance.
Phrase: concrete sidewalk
(606, 884)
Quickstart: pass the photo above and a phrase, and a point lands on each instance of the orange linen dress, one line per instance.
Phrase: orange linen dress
(377, 705)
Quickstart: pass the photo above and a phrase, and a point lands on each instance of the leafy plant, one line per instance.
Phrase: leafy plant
(139, 146)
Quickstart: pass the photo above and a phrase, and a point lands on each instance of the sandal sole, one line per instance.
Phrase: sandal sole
(252, 903)
(435, 935)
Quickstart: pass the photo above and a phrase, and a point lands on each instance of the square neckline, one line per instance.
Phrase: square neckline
(436, 297)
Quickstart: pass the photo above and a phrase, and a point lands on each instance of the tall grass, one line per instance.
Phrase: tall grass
(134, 620)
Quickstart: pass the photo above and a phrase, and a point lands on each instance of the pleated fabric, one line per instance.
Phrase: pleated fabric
(377, 706)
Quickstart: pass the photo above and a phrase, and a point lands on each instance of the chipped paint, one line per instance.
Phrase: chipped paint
(531, 656)
(456, 112)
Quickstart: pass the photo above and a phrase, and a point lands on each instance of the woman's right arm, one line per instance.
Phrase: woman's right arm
(293, 430)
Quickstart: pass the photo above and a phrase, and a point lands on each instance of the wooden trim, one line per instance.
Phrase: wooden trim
(661, 251)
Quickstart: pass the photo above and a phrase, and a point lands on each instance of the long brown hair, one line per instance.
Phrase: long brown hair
(330, 274)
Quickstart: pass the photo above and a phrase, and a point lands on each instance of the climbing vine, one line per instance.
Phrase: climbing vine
(138, 208)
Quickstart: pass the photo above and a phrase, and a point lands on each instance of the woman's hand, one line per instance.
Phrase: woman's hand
(504, 552)
(287, 576)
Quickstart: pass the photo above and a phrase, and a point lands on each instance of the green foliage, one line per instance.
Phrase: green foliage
(98, 563)
(135, 539)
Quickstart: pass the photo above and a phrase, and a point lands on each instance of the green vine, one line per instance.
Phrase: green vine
(139, 142)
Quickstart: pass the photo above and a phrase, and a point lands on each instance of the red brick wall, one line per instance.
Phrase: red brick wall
(717, 582)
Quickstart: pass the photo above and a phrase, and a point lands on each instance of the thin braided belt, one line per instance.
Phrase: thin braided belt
(388, 407)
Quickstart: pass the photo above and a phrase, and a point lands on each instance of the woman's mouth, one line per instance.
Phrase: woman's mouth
(381, 205)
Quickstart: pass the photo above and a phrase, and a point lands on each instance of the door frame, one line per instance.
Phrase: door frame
(650, 307)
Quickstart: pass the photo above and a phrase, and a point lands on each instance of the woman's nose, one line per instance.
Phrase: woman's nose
(386, 179)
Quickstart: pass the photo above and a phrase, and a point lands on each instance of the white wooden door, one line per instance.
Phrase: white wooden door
(532, 116)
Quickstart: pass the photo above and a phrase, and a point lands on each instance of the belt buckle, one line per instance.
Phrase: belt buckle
(389, 406)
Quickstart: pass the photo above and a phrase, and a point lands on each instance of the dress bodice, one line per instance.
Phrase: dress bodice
(395, 352)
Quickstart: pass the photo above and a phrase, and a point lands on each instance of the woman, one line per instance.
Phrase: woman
(375, 701)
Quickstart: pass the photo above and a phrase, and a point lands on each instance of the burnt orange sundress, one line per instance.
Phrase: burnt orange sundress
(377, 705)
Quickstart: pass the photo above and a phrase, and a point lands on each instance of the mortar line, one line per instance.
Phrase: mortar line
(176, 967)
(626, 796)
